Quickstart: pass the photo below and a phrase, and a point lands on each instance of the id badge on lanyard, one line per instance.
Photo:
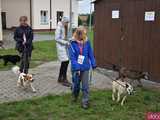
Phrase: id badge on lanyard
(81, 57)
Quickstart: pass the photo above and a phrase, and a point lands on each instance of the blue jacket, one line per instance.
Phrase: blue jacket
(74, 52)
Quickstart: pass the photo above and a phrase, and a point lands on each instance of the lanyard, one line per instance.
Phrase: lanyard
(81, 48)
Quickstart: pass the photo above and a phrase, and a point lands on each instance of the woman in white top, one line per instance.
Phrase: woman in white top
(62, 43)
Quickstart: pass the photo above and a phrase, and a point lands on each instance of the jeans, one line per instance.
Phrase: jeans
(63, 70)
(24, 64)
(76, 86)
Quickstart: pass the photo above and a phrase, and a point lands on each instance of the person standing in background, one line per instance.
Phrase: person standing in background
(62, 44)
(23, 36)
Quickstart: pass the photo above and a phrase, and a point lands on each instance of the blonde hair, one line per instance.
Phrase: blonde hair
(83, 36)
(23, 18)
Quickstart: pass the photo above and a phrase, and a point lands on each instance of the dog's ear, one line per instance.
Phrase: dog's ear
(146, 75)
(127, 85)
(24, 76)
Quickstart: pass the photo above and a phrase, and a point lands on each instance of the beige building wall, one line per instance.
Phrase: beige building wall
(37, 7)
(14, 9)
(59, 5)
(64, 5)
(0, 23)
(75, 13)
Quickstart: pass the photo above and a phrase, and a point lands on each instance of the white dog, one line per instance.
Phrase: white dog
(121, 89)
(24, 80)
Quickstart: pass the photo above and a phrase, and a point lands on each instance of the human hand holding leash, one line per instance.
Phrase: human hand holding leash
(24, 39)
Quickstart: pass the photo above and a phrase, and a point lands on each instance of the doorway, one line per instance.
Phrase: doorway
(4, 21)
(59, 16)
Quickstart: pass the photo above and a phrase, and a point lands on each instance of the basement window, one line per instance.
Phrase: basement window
(44, 17)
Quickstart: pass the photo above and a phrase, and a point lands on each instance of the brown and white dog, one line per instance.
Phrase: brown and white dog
(24, 80)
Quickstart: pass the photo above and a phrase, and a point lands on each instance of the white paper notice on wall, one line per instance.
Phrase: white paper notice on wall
(115, 14)
(150, 16)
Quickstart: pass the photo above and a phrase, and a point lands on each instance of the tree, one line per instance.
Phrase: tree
(88, 20)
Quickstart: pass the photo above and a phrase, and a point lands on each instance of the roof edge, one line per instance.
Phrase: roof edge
(95, 1)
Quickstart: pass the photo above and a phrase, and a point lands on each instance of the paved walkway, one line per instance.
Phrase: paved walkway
(46, 83)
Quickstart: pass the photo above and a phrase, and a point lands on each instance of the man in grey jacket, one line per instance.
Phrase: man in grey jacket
(62, 43)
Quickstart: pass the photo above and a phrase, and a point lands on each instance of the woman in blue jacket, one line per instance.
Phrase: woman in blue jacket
(82, 59)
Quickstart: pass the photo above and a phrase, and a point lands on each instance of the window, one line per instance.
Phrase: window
(44, 17)
(59, 16)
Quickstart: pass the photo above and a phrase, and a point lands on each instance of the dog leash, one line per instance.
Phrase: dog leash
(91, 80)
(90, 77)
(25, 57)
(119, 83)
(113, 80)
(116, 81)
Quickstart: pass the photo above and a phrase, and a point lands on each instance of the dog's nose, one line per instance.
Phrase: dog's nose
(32, 80)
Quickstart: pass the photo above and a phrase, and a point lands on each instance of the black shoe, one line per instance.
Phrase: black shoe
(66, 83)
(60, 80)
(85, 105)
(74, 99)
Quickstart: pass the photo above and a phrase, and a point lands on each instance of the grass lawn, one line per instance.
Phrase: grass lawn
(44, 51)
(45, 33)
(101, 108)
(91, 35)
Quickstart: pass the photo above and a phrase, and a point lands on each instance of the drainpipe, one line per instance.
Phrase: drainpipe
(70, 27)
(31, 13)
(0, 23)
(90, 19)
(50, 15)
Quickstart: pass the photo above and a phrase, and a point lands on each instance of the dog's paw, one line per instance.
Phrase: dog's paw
(34, 91)
(18, 85)
(122, 104)
(117, 100)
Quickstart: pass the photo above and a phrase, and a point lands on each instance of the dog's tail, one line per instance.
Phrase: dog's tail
(16, 70)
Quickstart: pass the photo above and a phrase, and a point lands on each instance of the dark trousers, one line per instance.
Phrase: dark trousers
(63, 71)
(76, 86)
(25, 59)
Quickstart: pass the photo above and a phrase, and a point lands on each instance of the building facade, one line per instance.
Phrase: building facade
(0, 23)
(128, 32)
(42, 14)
